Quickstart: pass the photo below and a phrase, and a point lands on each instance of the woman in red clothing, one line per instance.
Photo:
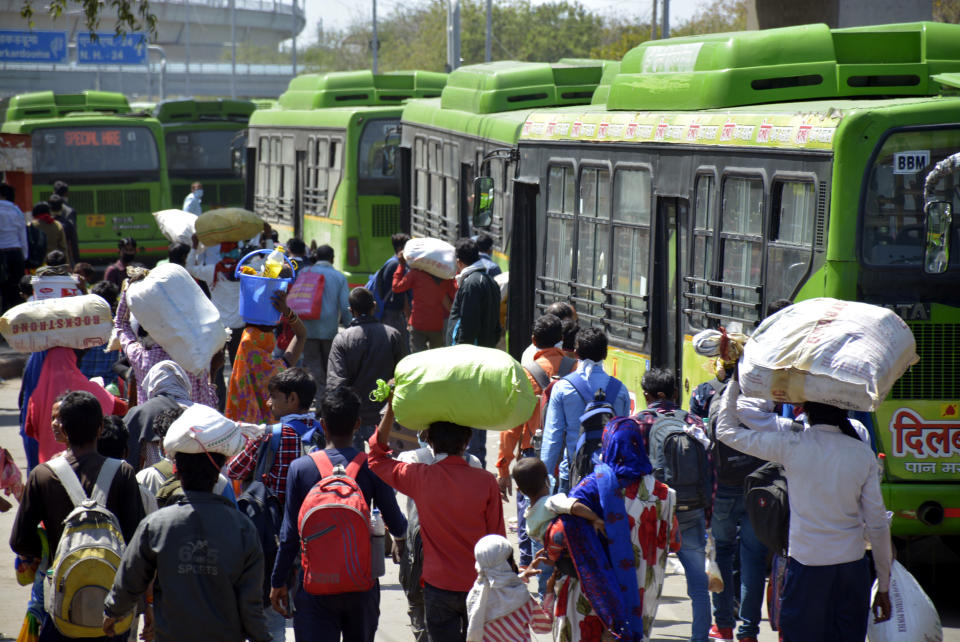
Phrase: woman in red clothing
(432, 298)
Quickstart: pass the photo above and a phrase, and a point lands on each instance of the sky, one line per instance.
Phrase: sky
(337, 14)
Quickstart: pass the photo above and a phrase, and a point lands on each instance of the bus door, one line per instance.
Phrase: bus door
(299, 182)
(522, 294)
(665, 335)
(466, 199)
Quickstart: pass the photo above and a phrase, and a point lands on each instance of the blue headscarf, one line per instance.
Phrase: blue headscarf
(609, 574)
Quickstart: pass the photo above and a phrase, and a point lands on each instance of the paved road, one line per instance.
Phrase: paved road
(938, 569)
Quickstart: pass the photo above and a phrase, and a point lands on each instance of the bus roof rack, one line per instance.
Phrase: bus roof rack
(508, 85)
(46, 104)
(793, 63)
(191, 110)
(359, 88)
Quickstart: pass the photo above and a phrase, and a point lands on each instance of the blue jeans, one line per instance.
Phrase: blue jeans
(478, 446)
(324, 618)
(826, 603)
(524, 541)
(276, 624)
(692, 555)
(729, 512)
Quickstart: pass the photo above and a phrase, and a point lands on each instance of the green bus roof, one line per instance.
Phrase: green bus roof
(191, 111)
(793, 63)
(602, 93)
(333, 117)
(46, 104)
(509, 85)
(353, 88)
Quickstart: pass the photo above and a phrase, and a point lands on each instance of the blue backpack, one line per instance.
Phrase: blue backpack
(597, 412)
(376, 286)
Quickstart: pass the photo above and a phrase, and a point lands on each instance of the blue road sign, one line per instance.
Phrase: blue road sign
(109, 49)
(33, 46)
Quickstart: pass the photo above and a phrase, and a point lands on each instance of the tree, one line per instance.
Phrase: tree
(946, 11)
(132, 15)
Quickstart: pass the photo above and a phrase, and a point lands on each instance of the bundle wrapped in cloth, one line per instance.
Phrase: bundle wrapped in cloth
(66, 322)
(467, 385)
(202, 429)
(227, 225)
(433, 256)
(725, 347)
(177, 226)
(841, 353)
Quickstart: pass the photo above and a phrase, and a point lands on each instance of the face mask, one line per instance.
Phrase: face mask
(128, 257)
(198, 193)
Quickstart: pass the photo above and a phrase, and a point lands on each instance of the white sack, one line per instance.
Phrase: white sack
(913, 617)
(433, 256)
(177, 226)
(201, 428)
(68, 322)
(842, 353)
(179, 317)
(503, 280)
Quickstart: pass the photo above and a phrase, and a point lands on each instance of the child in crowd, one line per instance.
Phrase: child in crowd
(499, 605)
(112, 441)
(457, 505)
(291, 393)
(530, 475)
(354, 615)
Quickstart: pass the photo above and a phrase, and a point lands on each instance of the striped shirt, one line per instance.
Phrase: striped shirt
(515, 626)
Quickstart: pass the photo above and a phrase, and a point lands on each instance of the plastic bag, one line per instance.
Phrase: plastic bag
(68, 322)
(913, 617)
(714, 579)
(841, 353)
(173, 309)
(306, 295)
(464, 384)
(177, 226)
(433, 256)
(227, 225)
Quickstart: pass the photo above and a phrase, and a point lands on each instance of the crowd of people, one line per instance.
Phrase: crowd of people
(218, 496)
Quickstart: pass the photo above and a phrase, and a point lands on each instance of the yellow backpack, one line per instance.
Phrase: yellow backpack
(87, 556)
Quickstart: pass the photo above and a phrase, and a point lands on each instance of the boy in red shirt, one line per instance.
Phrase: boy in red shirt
(430, 307)
(457, 504)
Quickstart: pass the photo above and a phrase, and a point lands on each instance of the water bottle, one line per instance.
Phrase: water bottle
(537, 440)
(378, 531)
(274, 263)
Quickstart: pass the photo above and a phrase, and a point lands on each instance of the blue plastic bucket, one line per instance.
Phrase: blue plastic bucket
(256, 291)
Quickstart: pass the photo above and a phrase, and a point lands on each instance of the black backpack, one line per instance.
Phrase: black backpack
(36, 247)
(732, 466)
(768, 506)
(596, 414)
(680, 460)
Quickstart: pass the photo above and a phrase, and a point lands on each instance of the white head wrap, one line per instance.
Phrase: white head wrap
(203, 429)
(167, 378)
(498, 590)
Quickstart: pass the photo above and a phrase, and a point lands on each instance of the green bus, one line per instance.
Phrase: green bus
(113, 160)
(206, 142)
(324, 164)
(731, 170)
(472, 130)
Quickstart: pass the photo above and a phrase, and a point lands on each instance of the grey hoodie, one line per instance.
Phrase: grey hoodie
(209, 567)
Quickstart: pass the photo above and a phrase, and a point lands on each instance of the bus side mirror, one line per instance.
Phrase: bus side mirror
(483, 202)
(936, 253)
(387, 165)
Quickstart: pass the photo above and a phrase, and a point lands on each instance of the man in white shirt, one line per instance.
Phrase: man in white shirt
(192, 202)
(834, 484)
(13, 246)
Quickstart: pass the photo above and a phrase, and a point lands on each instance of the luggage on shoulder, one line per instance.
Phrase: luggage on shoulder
(87, 558)
(263, 507)
(732, 466)
(680, 460)
(768, 506)
(597, 412)
(334, 526)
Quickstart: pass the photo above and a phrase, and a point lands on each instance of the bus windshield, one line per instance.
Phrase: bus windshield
(70, 151)
(203, 151)
(892, 222)
(377, 160)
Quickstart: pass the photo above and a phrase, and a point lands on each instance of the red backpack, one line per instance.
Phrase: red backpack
(335, 531)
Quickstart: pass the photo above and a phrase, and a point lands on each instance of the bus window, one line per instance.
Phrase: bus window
(376, 156)
(435, 167)
(420, 172)
(59, 152)
(741, 238)
(323, 174)
(701, 261)
(263, 173)
(892, 222)
(631, 250)
(593, 229)
(194, 153)
(791, 241)
(451, 190)
(558, 251)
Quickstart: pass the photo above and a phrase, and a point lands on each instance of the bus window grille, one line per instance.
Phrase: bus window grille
(820, 226)
(315, 201)
(110, 201)
(136, 200)
(937, 374)
(385, 219)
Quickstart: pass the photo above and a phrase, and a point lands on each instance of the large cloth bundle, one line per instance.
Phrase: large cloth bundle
(433, 256)
(914, 618)
(842, 353)
(170, 305)
(68, 322)
(227, 225)
(467, 385)
(177, 226)
(202, 429)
